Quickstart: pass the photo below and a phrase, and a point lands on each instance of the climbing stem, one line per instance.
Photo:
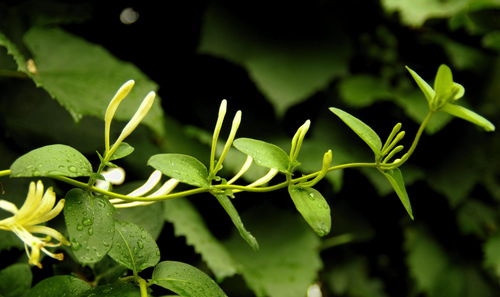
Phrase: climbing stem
(202, 190)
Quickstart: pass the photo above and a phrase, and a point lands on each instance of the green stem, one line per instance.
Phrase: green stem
(143, 286)
(201, 190)
(407, 155)
(5, 172)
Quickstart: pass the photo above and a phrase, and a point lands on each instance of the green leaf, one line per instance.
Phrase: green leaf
(286, 71)
(60, 285)
(492, 40)
(15, 280)
(352, 278)
(363, 90)
(428, 91)
(90, 225)
(134, 247)
(395, 178)
(313, 208)
(426, 259)
(476, 218)
(288, 259)
(124, 149)
(13, 50)
(415, 13)
(185, 280)
(184, 168)
(263, 153)
(118, 289)
(51, 160)
(491, 255)
(149, 217)
(235, 218)
(468, 115)
(443, 81)
(189, 223)
(83, 77)
(363, 130)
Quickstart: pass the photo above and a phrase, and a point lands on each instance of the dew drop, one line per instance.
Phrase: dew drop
(101, 203)
(90, 231)
(75, 245)
(61, 166)
(140, 244)
(72, 169)
(87, 222)
(36, 173)
(79, 227)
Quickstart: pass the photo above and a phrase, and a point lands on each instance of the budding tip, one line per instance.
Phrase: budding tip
(223, 106)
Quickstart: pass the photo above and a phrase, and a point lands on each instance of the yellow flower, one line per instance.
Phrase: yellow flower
(37, 209)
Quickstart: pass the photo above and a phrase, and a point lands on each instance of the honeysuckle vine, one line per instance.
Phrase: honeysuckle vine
(65, 164)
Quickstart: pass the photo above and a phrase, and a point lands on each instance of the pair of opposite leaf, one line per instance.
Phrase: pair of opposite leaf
(439, 98)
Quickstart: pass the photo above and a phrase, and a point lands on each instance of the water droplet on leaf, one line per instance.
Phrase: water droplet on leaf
(87, 222)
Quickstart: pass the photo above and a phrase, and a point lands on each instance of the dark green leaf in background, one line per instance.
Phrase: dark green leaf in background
(134, 247)
(51, 160)
(287, 72)
(90, 225)
(415, 13)
(189, 223)
(185, 280)
(15, 280)
(491, 253)
(60, 285)
(184, 168)
(83, 77)
(363, 90)
(352, 278)
(426, 259)
(288, 259)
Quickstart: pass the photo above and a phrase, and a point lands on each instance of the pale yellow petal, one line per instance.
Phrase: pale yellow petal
(31, 204)
(53, 233)
(47, 216)
(8, 206)
(48, 200)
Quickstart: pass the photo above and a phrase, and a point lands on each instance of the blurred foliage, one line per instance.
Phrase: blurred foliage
(280, 63)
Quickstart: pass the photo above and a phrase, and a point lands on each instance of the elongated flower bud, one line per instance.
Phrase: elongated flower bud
(113, 106)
